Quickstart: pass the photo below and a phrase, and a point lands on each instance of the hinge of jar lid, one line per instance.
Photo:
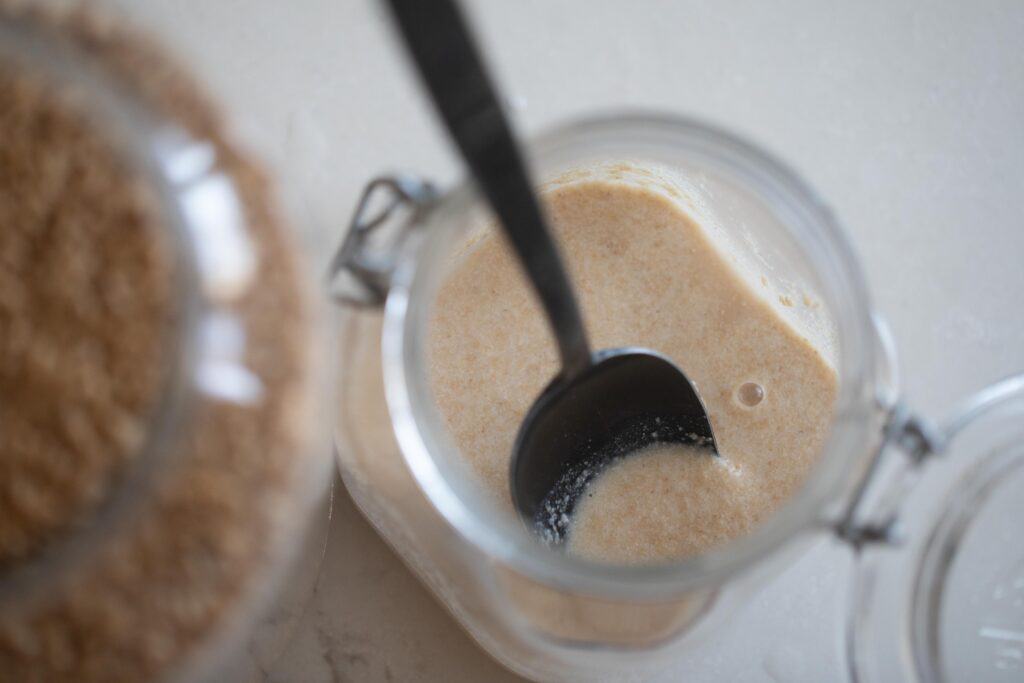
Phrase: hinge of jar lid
(389, 208)
(873, 513)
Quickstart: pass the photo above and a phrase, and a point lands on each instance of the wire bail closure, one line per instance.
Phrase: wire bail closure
(389, 209)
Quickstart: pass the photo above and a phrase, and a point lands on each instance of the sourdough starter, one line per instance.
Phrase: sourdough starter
(647, 274)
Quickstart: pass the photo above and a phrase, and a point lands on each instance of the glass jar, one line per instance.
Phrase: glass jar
(550, 616)
(541, 612)
(180, 543)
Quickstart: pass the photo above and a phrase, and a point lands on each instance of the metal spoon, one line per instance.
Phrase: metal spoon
(602, 405)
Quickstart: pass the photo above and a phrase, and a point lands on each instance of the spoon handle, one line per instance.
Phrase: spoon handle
(437, 38)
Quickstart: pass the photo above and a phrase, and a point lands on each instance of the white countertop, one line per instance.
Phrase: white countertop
(907, 117)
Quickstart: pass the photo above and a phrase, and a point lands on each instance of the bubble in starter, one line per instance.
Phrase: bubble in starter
(750, 394)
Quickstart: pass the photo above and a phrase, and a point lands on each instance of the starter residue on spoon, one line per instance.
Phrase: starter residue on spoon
(647, 274)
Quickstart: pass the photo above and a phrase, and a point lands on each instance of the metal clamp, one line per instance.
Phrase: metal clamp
(360, 270)
(873, 513)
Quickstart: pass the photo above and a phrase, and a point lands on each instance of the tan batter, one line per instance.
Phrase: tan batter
(664, 502)
(647, 275)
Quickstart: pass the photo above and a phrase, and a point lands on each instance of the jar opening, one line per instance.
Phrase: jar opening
(805, 235)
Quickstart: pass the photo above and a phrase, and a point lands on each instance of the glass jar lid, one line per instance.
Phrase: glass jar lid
(945, 602)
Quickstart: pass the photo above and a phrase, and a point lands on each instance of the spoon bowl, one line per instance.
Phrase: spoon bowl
(626, 399)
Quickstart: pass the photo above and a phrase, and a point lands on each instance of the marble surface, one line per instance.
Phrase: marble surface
(906, 116)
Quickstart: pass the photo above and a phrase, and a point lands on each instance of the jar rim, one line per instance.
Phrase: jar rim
(407, 389)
